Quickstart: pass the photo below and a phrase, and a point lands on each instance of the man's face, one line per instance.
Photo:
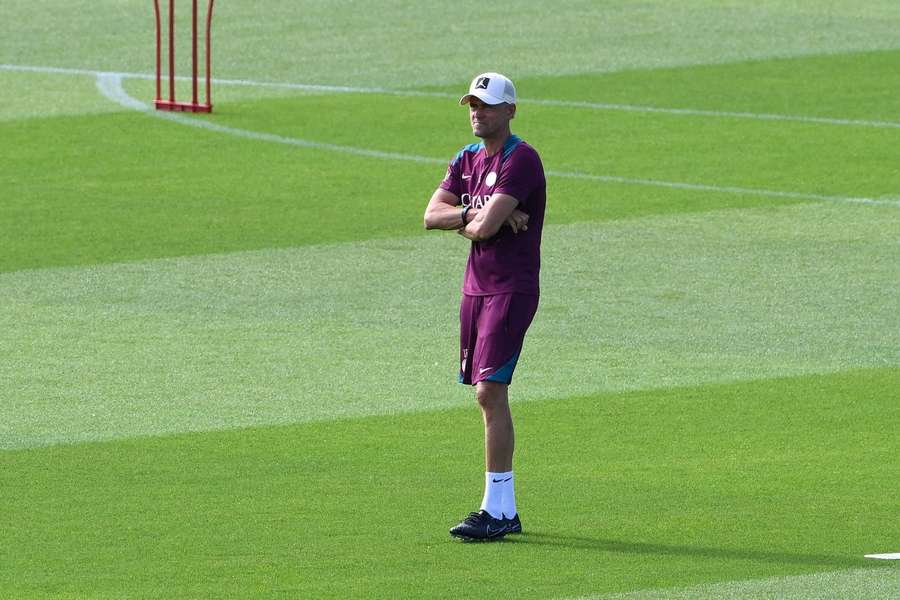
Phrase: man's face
(489, 119)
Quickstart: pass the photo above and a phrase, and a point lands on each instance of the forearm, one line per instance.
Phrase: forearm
(443, 216)
(476, 229)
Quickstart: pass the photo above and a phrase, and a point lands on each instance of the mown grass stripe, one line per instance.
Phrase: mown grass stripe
(341, 330)
(110, 85)
(672, 488)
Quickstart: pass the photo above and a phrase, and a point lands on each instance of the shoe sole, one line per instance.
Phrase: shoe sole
(467, 539)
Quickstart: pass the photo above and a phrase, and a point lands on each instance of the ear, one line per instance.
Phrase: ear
(512, 111)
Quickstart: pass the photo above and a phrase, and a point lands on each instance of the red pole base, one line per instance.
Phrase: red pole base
(182, 106)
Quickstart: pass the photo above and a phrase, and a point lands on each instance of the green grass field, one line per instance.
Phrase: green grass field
(229, 347)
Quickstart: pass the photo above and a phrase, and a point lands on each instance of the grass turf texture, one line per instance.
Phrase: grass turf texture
(159, 279)
(271, 336)
(324, 41)
(137, 197)
(672, 488)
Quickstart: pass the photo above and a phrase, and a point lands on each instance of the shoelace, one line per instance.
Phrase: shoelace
(474, 518)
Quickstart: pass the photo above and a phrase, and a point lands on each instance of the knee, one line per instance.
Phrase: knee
(484, 400)
(490, 396)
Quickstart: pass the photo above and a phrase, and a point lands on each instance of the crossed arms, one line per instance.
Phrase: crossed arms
(443, 212)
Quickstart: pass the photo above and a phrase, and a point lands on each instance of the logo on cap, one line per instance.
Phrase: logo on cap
(482, 83)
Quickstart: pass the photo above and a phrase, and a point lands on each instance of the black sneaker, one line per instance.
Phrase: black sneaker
(513, 525)
(481, 526)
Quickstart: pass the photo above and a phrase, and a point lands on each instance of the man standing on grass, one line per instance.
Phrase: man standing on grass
(494, 195)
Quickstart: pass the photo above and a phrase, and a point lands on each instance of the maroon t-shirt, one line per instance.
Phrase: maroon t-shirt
(508, 262)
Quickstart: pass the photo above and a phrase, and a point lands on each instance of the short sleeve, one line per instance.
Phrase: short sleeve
(521, 174)
(452, 181)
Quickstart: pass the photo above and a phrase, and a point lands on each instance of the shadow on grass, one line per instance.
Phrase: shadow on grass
(623, 547)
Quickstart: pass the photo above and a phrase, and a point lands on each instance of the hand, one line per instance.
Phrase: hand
(466, 235)
(518, 221)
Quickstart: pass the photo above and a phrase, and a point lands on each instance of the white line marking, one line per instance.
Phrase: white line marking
(110, 85)
(889, 556)
(726, 189)
(54, 70)
(718, 113)
(546, 102)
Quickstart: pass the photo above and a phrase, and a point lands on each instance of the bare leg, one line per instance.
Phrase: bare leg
(492, 521)
(499, 437)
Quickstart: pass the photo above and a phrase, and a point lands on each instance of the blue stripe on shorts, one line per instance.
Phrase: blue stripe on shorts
(504, 374)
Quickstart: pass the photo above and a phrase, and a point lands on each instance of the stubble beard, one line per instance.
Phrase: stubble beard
(484, 133)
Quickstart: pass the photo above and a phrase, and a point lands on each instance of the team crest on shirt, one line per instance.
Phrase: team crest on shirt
(491, 179)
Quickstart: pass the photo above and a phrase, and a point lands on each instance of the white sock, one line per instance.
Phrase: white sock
(494, 484)
(508, 503)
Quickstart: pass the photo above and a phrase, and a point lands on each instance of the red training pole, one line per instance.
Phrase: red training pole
(194, 51)
(171, 50)
(158, 52)
(209, 53)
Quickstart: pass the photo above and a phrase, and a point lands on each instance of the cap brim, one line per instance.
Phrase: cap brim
(483, 96)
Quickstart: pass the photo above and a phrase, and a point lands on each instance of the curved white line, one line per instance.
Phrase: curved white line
(110, 85)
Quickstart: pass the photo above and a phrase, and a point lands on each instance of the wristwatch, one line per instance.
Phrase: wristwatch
(465, 214)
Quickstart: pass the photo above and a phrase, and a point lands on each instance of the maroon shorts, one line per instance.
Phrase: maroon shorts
(492, 330)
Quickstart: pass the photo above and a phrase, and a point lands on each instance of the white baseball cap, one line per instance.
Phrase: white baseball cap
(491, 88)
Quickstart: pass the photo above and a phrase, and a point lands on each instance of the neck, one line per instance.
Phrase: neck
(494, 144)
